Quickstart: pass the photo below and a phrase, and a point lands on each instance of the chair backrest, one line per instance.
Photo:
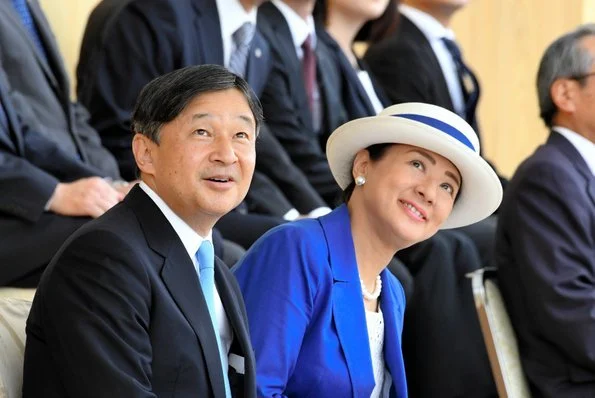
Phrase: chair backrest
(499, 336)
(13, 316)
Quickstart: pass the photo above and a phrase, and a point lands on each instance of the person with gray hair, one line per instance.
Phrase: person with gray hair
(545, 246)
(135, 304)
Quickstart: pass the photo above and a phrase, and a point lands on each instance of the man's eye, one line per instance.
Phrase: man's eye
(242, 134)
(201, 132)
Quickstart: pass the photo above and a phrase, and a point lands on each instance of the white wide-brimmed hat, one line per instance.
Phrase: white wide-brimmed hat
(435, 129)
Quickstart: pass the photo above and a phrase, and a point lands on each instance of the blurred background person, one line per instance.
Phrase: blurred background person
(545, 248)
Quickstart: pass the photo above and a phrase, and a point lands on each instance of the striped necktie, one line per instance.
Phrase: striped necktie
(206, 262)
(242, 39)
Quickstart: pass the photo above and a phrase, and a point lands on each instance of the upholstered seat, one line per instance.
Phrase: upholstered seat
(499, 336)
(13, 316)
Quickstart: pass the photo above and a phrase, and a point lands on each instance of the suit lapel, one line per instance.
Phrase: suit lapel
(281, 41)
(208, 30)
(15, 141)
(258, 65)
(566, 147)
(14, 19)
(409, 30)
(348, 307)
(180, 278)
(393, 328)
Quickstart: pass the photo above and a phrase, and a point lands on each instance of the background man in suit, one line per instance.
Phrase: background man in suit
(39, 87)
(546, 233)
(135, 304)
(120, 54)
(47, 193)
(300, 101)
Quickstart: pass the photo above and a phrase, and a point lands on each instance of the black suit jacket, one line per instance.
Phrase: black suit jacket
(120, 313)
(286, 106)
(355, 98)
(31, 165)
(128, 43)
(407, 68)
(545, 250)
(40, 90)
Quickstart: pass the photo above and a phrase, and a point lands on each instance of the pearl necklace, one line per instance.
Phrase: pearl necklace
(376, 293)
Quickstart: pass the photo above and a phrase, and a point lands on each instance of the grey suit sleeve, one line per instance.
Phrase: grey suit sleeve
(554, 245)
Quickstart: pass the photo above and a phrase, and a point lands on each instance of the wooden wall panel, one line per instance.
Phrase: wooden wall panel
(504, 40)
(68, 19)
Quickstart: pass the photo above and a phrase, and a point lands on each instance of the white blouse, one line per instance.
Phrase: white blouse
(375, 323)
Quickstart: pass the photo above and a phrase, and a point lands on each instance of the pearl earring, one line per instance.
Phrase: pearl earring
(360, 180)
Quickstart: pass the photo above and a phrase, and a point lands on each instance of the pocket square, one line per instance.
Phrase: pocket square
(237, 362)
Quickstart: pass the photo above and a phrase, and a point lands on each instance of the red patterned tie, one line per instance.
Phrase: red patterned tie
(309, 70)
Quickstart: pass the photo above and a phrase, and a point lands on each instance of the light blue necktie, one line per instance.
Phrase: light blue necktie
(22, 9)
(242, 39)
(206, 263)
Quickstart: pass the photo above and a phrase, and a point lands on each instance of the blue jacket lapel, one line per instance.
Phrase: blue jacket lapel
(392, 311)
(348, 307)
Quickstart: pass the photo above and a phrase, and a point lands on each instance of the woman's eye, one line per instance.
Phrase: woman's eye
(448, 188)
(417, 164)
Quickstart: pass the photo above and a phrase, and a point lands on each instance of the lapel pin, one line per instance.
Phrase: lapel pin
(258, 53)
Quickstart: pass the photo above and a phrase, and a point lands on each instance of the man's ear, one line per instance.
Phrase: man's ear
(142, 148)
(360, 163)
(563, 93)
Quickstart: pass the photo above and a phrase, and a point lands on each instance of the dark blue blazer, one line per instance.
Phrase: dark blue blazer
(355, 98)
(306, 312)
(128, 43)
(545, 253)
(31, 166)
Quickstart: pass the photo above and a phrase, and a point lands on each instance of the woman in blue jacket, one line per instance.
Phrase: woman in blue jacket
(325, 316)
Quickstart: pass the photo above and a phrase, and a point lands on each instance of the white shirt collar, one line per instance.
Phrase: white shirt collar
(585, 147)
(232, 15)
(429, 25)
(190, 239)
(299, 28)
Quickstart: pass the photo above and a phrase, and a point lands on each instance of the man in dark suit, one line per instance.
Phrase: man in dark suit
(47, 193)
(135, 304)
(546, 233)
(127, 43)
(39, 86)
(301, 101)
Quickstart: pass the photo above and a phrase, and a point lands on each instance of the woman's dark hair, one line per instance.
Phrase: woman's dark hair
(382, 27)
(376, 152)
(372, 31)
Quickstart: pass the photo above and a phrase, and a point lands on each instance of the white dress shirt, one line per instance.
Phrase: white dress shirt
(585, 147)
(192, 241)
(232, 15)
(434, 32)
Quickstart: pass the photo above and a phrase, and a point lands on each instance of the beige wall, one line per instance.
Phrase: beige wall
(68, 19)
(502, 39)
